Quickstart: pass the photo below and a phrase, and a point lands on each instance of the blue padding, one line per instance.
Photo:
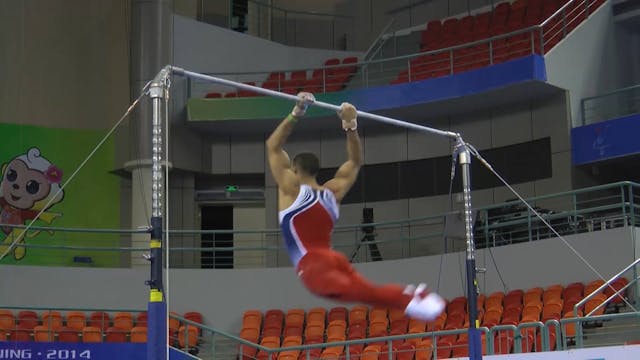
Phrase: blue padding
(605, 140)
(57, 351)
(157, 331)
(530, 68)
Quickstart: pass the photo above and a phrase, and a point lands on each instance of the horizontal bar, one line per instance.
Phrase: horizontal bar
(259, 90)
(80, 230)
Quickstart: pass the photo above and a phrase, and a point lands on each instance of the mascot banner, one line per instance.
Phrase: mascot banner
(35, 163)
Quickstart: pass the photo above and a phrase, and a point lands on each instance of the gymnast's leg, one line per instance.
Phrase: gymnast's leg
(328, 273)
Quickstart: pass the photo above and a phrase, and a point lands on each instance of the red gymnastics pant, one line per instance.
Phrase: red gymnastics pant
(328, 273)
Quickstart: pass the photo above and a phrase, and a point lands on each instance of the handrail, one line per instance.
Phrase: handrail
(274, 7)
(559, 11)
(613, 92)
(367, 54)
(601, 287)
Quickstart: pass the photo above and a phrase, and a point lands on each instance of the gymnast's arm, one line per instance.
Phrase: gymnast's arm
(279, 162)
(348, 172)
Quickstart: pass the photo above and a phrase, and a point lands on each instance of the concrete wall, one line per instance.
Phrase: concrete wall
(205, 48)
(64, 63)
(222, 295)
(603, 50)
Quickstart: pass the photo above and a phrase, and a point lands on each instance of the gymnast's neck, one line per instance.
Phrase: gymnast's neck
(309, 180)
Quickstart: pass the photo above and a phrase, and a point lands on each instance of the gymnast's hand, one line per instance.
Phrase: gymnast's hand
(348, 114)
(306, 99)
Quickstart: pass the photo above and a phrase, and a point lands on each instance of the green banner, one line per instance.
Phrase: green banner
(262, 107)
(36, 162)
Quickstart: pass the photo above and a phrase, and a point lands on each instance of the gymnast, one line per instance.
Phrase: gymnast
(308, 212)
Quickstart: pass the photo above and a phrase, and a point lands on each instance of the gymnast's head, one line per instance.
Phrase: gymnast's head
(305, 165)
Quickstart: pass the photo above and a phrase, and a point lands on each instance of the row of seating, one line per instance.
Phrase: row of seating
(99, 326)
(277, 329)
(505, 18)
(332, 77)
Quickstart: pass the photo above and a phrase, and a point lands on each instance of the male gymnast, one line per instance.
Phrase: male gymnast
(308, 212)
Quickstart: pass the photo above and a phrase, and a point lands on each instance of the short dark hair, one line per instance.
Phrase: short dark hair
(307, 162)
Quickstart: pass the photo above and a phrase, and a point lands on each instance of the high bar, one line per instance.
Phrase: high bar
(259, 90)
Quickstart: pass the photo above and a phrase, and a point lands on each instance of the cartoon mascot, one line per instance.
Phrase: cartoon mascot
(29, 183)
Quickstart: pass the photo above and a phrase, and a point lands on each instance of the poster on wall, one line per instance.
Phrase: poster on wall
(35, 162)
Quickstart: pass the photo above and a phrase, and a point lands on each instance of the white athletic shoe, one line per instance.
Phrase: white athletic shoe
(425, 308)
(409, 290)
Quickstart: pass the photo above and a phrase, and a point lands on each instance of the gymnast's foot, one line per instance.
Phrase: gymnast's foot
(425, 305)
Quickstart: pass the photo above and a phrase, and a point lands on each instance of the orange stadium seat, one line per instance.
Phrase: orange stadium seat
(337, 313)
(20, 334)
(592, 286)
(252, 319)
(317, 315)
(295, 317)
(115, 335)
(269, 342)
(100, 319)
(91, 334)
(52, 320)
(68, 335)
(142, 318)
(76, 320)
(42, 333)
(616, 285)
(7, 321)
(123, 320)
(188, 336)
(139, 334)
(358, 314)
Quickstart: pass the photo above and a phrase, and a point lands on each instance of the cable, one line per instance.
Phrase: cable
(73, 175)
(475, 153)
(495, 264)
(444, 234)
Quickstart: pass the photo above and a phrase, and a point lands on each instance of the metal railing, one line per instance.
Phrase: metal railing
(207, 342)
(578, 211)
(537, 39)
(611, 105)
(286, 26)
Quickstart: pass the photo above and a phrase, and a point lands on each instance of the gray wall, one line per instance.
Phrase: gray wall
(222, 295)
(205, 48)
(64, 63)
(593, 59)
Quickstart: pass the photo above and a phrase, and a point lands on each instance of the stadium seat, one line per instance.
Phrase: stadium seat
(294, 317)
(272, 330)
(290, 341)
(493, 300)
(424, 349)
(7, 321)
(188, 337)
(123, 320)
(492, 317)
(68, 335)
(593, 303)
(52, 320)
(616, 285)
(252, 319)
(250, 334)
(247, 93)
(100, 319)
(358, 314)
(317, 315)
(76, 320)
(314, 330)
(20, 334)
(397, 314)
(213, 95)
(42, 333)
(405, 351)
(115, 335)
(269, 342)
(457, 305)
(272, 317)
(91, 334)
(142, 318)
(337, 313)
(371, 352)
(139, 334)
(292, 330)
(439, 323)
(592, 286)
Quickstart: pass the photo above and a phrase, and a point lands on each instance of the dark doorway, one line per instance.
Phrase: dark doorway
(217, 218)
